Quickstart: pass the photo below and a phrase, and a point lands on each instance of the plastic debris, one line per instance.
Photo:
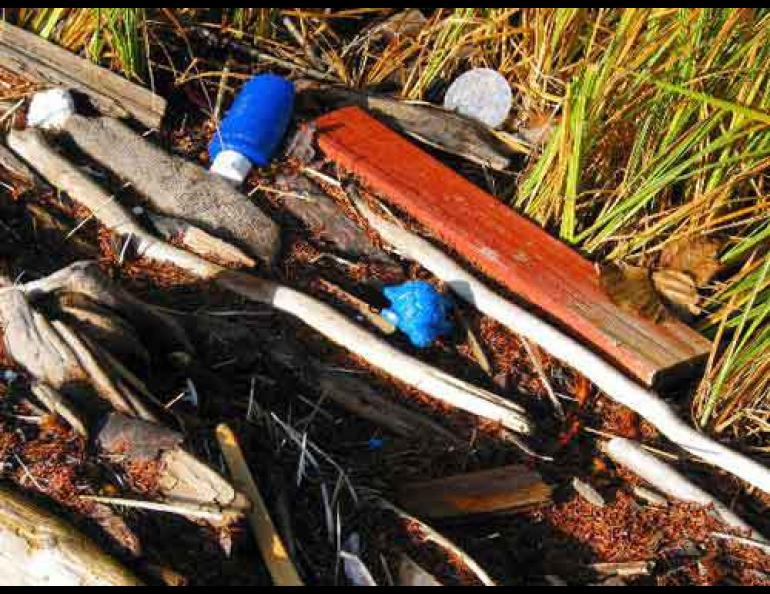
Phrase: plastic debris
(482, 94)
(419, 311)
(253, 128)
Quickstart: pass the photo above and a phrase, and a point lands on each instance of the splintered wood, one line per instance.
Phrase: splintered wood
(513, 251)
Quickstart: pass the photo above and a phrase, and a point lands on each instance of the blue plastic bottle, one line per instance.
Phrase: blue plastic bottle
(253, 128)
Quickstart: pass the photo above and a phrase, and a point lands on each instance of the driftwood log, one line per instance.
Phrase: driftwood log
(39, 549)
(33, 148)
(176, 187)
(607, 378)
(43, 62)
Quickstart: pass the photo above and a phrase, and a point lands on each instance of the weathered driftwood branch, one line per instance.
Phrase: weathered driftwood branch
(17, 168)
(429, 534)
(610, 380)
(33, 148)
(274, 552)
(43, 62)
(200, 242)
(40, 549)
(176, 187)
(666, 479)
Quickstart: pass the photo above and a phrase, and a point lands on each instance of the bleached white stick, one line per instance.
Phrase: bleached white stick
(666, 479)
(31, 146)
(607, 378)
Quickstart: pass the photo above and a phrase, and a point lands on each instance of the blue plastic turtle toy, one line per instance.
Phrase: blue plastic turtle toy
(419, 311)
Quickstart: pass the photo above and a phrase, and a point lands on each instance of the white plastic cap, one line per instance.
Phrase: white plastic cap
(50, 109)
(232, 166)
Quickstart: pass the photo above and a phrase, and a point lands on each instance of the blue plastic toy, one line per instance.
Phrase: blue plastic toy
(257, 121)
(419, 311)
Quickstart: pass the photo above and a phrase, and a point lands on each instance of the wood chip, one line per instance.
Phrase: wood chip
(588, 493)
(497, 490)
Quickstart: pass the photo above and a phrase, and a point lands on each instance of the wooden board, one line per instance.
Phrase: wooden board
(43, 62)
(545, 273)
(498, 490)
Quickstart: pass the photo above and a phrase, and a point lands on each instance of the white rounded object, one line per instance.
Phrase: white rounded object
(232, 166)
(50, 109)
(482, 94)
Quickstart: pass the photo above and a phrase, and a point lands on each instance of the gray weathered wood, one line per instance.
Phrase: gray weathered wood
(41, 61)
(177, 187)
(439, 128)
(324, 218)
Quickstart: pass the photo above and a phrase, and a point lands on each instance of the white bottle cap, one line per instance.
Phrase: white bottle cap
(50, 109)
(232, 166)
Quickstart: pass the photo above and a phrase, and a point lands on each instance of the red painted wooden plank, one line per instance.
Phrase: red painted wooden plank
(507, 247)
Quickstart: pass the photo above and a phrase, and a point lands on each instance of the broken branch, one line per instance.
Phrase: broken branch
(274, 552)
